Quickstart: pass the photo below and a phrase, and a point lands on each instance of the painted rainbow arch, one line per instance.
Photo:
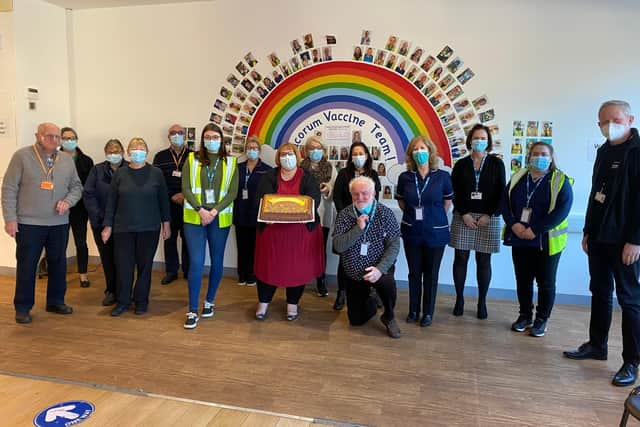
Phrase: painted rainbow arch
(389, 98)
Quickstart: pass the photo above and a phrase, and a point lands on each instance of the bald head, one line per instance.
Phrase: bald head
(176, 135)
(48, 136)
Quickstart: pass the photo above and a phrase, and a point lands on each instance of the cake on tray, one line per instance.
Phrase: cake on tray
(281, 208)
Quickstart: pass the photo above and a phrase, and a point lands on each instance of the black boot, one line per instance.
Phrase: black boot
(458, 309)
(482, 309)
(321, 287)
(340, 299)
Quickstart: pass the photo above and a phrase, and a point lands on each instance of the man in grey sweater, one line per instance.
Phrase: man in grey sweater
(367, 237)
(39, 187)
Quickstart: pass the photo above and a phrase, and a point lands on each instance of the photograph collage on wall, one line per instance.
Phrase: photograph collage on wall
(525, 134)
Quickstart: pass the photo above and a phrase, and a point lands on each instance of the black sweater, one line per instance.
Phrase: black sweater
(491, 185)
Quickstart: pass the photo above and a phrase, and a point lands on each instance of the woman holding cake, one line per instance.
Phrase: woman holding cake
(290, 252)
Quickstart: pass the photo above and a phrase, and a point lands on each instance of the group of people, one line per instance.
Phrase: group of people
(200, 194)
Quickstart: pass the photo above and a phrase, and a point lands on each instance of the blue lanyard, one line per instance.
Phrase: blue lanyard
(530, 194)
(424, 187)
(212, 173)
(479, 171)
(373, 212)
(247, 175)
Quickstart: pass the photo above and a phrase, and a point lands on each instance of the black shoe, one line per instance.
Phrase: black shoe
(378, 301)
(522, 323)
(192, 320)
(60, 309)
(586, 351)
(626, 375)
(85, 283)
(539, 328)
(208, 311)
(119, 309)
(426, 320)
(412, 317)
(293, 317)
(170, 277)
(321, 288)
(23, 317)
(140, 310)
(482, 310)
(340, 299)
(109, 299)
(393, 329)
(262, 316)
(458, 309)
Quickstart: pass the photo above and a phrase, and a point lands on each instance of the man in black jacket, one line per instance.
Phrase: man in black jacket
(612, 240)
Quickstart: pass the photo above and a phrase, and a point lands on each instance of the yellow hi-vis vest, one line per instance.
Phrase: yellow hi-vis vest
(557, 235)
(225, 216)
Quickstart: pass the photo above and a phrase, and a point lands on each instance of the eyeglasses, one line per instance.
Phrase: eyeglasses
(176, 132)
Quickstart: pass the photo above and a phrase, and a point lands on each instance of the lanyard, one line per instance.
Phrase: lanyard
(212, 173)
(47, 171)
(373, 212)
(424, 187)
(479, 171)
(178, 160)
(247, 175)
(530, 194)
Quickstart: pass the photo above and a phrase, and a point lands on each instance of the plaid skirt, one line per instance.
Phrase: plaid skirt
(483, 239)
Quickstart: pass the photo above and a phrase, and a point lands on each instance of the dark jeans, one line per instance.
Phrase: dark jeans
(135, 251)
(171, 260)
(535, 263)
(483, 272)
(266, 292)
(107, 258)
(361, 303)
(30, 240)
(78, 222)
(424, 268)
(605, 266)
(246, 243)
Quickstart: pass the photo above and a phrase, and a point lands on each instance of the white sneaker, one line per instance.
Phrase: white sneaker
(192, 320)
(207, 310)
(241, 283)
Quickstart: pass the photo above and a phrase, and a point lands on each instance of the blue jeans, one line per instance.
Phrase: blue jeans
(197, 237)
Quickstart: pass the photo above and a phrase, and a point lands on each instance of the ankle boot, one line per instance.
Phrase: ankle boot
(340, 299)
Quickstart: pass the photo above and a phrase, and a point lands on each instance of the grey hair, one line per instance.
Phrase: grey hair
(624, 105)
(364, 180)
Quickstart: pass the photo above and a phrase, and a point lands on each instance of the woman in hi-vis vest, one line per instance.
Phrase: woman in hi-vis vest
(535, 206)
(209, 185)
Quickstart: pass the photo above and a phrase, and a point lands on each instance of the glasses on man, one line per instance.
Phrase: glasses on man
(176, 132)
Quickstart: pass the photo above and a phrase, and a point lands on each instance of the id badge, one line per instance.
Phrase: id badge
(177, 174)
(600, 197)
(245, 194)
(210, 196)
(419, 214)
(46, 185)
(364, 249)
(526, 215)
(476, 195)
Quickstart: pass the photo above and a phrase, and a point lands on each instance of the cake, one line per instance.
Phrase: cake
(280, 208)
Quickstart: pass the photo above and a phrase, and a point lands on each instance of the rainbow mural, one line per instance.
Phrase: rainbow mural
(389, 98)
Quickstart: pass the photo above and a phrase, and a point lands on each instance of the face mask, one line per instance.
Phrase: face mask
(359, 161)
(613, 131)
(212, 145)
(288, 162)
(138, 156)
(366, 209)
(177, 140)
(114, 159)
(69, 144)
(253, 154)
(479, 144)
(316, 154)
(540, 163)
(421, 157)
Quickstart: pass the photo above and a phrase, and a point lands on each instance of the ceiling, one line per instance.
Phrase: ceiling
(92, 4)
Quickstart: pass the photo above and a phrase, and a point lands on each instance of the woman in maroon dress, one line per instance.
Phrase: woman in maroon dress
(287, 255)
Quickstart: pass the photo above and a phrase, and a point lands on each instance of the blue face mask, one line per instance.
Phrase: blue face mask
(288, 162)
(114, 159)
(421, 157)
(359, 161)
(479, 145)
(69, 144)
(212, 145)
(138, 156)
(316, 154)
(540, 163)
(253, 154)
(366, 209)
(177, 140)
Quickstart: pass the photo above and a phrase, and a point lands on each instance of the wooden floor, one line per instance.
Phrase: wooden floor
(460, 371)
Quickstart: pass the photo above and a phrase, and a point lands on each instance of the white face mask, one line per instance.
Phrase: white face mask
(613, 131)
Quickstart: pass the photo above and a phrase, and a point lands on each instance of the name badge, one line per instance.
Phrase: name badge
(419, 214)
(526, 215)
(600, 197)
(46, 185)
(364, 249)
(245, 194)
(209, 196)
(476, 195)
(177, 174)
(615, 165)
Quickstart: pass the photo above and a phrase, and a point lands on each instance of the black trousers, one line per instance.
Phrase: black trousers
(483, 272)
(266, 292)
(135, 251)
(424, 270)
(246, 243)
(325, 239)
(605, 267)
(535, 263)
(361, 303)
(107, 257)
(78, 223)
(171, 260)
